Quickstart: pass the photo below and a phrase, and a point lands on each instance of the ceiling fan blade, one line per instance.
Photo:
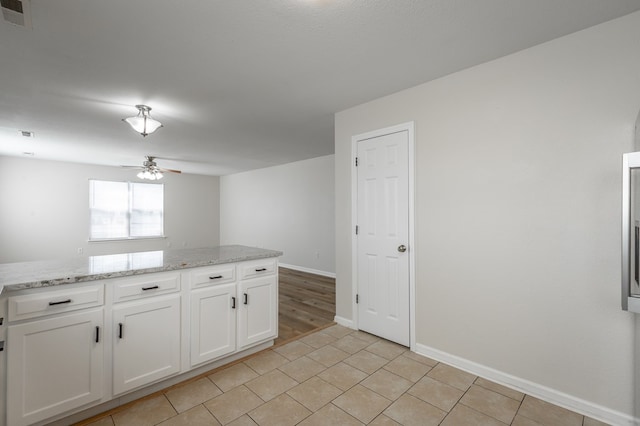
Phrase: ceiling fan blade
(170, 170)
(132, 167)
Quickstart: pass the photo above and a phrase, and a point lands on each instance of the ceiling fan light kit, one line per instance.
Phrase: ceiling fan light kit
(143, 123)
(148, 174)
(150, 170)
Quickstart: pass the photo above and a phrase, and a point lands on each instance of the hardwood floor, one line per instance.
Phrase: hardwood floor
(306, 302)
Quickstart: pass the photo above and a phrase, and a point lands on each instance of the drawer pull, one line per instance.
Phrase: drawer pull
(261, 269)
(150, 288)
(217, 277)
(62, 302)
(97, 334)
(246, 299)
(233, 302)
(120, 330)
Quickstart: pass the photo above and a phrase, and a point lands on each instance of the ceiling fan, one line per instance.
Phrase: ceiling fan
(150, 170)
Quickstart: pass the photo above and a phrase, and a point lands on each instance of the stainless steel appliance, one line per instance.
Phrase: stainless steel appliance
(631, 226)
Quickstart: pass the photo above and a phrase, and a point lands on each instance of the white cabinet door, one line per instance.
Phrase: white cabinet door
(213, 322)
(56, 365)
(146, 344)
(258, 314)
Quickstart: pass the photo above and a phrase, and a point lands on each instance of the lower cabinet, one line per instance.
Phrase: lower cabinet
(146, 341)
(258, 316)
(213, 322)
(55, 365)
(56, 348)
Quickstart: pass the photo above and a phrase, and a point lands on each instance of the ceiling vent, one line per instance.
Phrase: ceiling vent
(17, 12)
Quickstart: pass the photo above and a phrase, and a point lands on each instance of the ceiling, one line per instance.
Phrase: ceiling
(241, 84)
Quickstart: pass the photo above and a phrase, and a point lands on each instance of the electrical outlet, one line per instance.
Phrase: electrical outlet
(80, 250)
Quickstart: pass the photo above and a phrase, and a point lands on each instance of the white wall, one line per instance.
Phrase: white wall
(518, 213)
(44, 210)
(288, 208)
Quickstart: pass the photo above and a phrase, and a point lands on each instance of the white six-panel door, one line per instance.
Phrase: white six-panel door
(383, 236)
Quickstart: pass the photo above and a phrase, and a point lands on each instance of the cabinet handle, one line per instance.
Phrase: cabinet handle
(261, 269)
(150, 288)
(217, 277)
(62, 302)
(233, 302)
(97, 334)
(246, 299)
(120, 330)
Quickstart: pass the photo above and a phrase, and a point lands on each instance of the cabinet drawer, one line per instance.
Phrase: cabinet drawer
(147, 285)
(54, 302)
(257, 268)
(220, 274)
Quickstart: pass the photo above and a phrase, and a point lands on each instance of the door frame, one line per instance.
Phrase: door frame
(409, 127)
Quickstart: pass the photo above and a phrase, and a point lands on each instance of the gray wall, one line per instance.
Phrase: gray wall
(44, 210)
(518, 165)
(288, 208)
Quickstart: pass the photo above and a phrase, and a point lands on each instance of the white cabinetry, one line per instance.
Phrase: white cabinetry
(146, 341)
(227, 315)
(72, 347)
(213, 322)
(258, 294)
(55, 363)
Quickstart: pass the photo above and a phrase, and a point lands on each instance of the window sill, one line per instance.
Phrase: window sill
(111, 240)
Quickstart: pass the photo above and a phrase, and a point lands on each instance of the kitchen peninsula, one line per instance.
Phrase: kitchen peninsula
(87, 334)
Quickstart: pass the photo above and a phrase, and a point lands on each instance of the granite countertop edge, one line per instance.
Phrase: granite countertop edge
(171, 260)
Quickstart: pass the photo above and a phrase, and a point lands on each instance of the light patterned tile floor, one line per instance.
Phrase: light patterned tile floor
(336, 377)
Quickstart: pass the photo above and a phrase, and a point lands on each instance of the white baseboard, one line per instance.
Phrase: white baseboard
(544, 393)
(344, 322)
(308, 270)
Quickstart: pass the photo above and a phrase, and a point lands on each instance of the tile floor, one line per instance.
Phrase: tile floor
(337, 377)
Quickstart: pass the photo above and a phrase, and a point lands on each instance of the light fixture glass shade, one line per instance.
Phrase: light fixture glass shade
(149, 174)
(143, 123)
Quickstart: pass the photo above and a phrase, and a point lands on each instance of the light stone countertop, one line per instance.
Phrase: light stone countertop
(24, 275)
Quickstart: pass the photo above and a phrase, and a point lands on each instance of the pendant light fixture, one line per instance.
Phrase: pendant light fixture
(143, 123)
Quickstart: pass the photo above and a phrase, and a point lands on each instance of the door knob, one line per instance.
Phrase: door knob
(402, 248)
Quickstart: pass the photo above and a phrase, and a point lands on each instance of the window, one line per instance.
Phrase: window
(125, 210)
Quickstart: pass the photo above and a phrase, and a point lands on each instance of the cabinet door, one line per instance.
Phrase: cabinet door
(54, 365)
(146, 344)
(258, 316)
(213, 322)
